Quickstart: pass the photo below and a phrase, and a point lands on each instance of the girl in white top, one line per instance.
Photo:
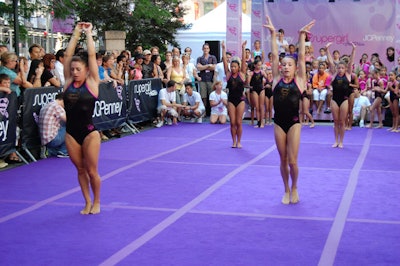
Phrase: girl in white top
(218, 101)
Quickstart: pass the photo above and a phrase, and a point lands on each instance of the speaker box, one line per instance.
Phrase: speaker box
(215, 49)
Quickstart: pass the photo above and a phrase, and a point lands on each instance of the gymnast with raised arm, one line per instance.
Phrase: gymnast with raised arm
(289, 83)
(236, 79)
(81, 91)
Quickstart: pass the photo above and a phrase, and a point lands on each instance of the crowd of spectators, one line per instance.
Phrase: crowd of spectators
(376, 86)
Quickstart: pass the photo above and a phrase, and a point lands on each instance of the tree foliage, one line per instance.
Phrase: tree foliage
(150, 23)
(25, 11)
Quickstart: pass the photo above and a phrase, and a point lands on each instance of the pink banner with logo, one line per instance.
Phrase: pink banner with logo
(397, 29)
(370, 24)
(234, 27)
(257, 22)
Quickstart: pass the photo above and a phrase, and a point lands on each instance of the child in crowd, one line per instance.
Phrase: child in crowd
(364, 64)
(136, 72)
(258, 51)
(393, 91)
(268, 96)
(308, 54)
(5, 83)
(219, 102)
(362, 82)
(292, 51)
(322, 55)
(378, 90)
(396, 69)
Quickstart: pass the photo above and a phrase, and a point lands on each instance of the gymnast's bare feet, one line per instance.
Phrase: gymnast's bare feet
(295, 196)
(87, 208)
(340, 145)
(335, 145)
(286, 198)
(95, 209)
(239, 146)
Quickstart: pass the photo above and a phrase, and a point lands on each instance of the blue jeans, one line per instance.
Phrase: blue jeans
(57, 145)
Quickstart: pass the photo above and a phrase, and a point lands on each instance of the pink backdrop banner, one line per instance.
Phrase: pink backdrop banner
(257, 22)
(397, 29)
(370, 24)
(234, 27)
(63, 25)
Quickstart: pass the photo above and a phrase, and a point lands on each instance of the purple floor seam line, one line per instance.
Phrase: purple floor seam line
(332, 243)
(137, 243)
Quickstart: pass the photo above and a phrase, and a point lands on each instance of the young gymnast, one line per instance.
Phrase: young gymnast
(288, 85)
(236, 77)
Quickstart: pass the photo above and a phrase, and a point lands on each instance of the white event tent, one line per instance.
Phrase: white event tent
(210, 27)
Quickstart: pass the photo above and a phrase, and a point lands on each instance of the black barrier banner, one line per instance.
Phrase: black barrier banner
(34, 100)
(110, 109)
(8, 122)
(143, 99)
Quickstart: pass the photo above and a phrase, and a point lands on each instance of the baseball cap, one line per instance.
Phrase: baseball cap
(146, 52)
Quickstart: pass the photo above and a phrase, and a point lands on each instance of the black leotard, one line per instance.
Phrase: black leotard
(268, 91)
(236, 87)
(305, 95)
(393, 96)
(340, 89)
(350, 90)
(256, 82)
(378, 94)
(286, 104)
(79, 106)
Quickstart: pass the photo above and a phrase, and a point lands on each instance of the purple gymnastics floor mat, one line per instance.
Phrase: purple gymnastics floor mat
(180, 195)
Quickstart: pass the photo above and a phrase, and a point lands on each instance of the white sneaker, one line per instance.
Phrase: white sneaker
(169, 121)
(193, 120)
(362, 123)
(62, 155)
(160, 124)
(3, 164)
(200, 120)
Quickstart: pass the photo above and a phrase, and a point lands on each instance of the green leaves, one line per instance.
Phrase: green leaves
(151, 23)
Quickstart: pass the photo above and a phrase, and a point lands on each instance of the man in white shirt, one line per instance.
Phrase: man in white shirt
(167, 106)
(219, 74)
(193, 105)
(59, 67)
(361, 107)
(34, 53)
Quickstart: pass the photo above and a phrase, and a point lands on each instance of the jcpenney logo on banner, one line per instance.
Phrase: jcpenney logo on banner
(378, 38)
